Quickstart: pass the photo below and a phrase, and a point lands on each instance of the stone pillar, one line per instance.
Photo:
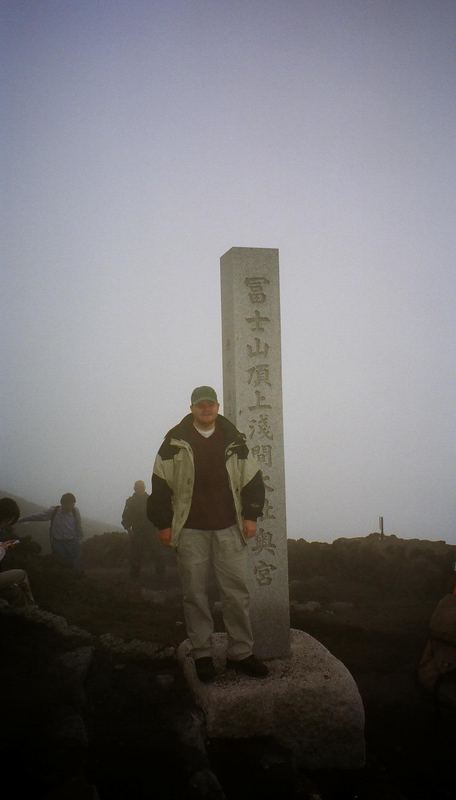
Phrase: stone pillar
(252, 400)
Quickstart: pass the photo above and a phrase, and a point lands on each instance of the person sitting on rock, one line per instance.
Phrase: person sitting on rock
(65, 529)
(9, 514)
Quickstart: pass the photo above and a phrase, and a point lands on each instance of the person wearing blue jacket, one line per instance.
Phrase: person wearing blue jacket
(65, 529)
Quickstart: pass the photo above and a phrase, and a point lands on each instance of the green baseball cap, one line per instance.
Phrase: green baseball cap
(203, 393)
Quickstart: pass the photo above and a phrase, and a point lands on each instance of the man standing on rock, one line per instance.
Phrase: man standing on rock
(207, 493)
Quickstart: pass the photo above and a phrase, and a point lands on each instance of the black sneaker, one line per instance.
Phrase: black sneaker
(249, 666)
(205, 669)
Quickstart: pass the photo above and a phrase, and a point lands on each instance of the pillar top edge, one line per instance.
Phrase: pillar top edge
(251, 250)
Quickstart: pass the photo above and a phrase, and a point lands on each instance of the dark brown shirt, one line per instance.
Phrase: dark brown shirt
(212, 506)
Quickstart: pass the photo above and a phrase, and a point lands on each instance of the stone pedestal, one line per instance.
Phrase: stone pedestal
(309, 703)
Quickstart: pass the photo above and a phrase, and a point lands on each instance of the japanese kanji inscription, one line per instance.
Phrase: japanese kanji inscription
(253, 401)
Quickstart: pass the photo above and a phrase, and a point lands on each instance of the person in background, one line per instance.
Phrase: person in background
(9, 515)
(65, 529)
(207, 493)
(142, 533)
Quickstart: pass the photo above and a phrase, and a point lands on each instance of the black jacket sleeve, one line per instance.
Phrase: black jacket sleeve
(126, 517)
(252, 497)
(159, 503)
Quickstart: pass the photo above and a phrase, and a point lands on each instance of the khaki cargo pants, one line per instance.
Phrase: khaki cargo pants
(228, 554)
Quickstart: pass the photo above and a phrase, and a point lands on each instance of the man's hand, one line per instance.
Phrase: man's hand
(249, 527)
(165, 536)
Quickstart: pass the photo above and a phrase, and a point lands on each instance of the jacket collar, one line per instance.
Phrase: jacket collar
(184, 429)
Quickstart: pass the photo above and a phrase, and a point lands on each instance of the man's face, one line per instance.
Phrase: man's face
(68, 505)
(140, 487)
(205, 413)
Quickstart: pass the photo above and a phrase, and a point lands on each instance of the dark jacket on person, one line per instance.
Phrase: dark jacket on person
(173, 478)
(134, 514)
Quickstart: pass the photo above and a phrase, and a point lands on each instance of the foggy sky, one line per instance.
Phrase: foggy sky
(142, 140)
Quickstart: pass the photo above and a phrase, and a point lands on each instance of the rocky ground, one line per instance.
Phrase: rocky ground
(94, 704)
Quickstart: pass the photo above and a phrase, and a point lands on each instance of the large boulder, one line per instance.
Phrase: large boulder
(309, 703)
